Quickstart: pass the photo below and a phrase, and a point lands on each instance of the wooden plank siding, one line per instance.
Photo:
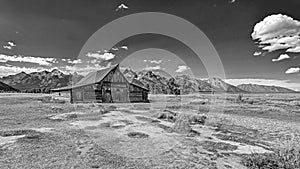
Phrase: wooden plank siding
(114, 87)
(137, 94)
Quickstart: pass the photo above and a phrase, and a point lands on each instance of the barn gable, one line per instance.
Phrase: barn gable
(107, 85)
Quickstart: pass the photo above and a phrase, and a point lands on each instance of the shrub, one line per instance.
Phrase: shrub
(239, 98)
(182, 124)
(46, 99)
(295, 103)
(197, 119)
(286, 156)
(257, 161)
(167, 115)
(56, 109)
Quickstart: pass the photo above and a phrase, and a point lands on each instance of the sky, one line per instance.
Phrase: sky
(256, 41)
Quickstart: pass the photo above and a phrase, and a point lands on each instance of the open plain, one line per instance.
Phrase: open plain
(37, 132)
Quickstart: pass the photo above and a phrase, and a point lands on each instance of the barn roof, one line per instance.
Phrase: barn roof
(91, 78)
(97, 76)
(136, 82)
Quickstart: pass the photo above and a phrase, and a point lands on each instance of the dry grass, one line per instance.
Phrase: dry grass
(244, 123)
(182, 124)
(286, 156)
(166, 115)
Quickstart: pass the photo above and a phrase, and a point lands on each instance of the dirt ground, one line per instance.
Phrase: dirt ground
(38, 133)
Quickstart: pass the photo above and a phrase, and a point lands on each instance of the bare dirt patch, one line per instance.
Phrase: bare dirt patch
(137, 135)
(98, 138)
(214, 146)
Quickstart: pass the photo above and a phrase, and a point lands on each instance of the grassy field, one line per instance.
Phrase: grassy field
(192, 131)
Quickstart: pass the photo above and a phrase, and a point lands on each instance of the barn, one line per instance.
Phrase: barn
(106, 86)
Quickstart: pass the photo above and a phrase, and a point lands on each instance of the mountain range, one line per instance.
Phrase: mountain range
(254, 88)
(43, 80)
(156, 81)
(6, 88)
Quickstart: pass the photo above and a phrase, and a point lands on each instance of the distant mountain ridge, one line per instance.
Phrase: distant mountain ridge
(156, 82)
(6, 88)
(40, 80)
(255, 88)
(183, 84)
(219, 85)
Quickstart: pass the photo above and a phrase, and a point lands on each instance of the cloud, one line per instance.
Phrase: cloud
(267, 82)
(76, 61)
(294, 50)
(117, 48)
(152, 68)
(292, 70)
(182, 68)
(104, 56)
(84, 70)
(9, 70)
(12, 44)
(256, 53)
(121, 6)
(124, 47)
(7, 47)
(281, 57)
(277, 32)
(28, 59)
(154, 61)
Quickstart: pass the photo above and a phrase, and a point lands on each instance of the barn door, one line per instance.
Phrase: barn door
(116, 94)
(106, 93)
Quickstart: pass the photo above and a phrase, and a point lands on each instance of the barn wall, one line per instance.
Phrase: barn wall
(137, 94)
(77, 95)
(92, 93)
(115, 84)
(113, 88)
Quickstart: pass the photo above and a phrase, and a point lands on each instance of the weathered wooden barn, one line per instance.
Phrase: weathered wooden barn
(107, 86)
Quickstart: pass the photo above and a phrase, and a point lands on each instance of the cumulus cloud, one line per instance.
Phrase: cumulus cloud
(28, 59)
(104, 56)
(267, 82)
(182, 68)
(293, 70)
(124, 47)
(256, 53)
(121, 6)
(9, 70)
(84, 70)
(76, 61)
(277, 32)
(7, 47)
(12, 44)
(294, 50)
(281, 57)
(116, 48)
(154, 61)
